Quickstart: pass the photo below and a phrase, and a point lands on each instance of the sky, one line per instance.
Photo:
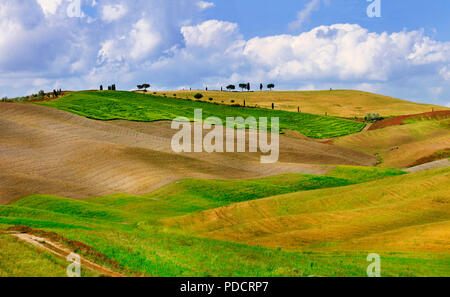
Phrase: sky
(176, 44)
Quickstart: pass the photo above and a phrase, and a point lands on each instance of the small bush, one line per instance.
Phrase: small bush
(198, 96)
(210, 99)
(373, 117)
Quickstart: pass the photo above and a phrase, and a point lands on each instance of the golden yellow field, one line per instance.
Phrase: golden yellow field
(401, 146)
(403, 213)
(343, 103)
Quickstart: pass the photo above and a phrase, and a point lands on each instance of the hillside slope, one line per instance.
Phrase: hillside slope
(402, 146)
(19, 259)
(344, 103)
(127, 231)
(402, 213)
(43, 150)
(111, 105)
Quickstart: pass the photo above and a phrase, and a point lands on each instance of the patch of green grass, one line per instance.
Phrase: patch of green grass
(364, 174)
(74, 208)
(215, 193)
(110, 105)
(125, 228)
(190, 195)
(18, 259)
(156, 253)
(13, 221)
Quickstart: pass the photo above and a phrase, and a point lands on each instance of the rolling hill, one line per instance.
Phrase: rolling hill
(142, 210)
(111, 105)
(44, 150)
(143, 236)
(403, 146)
(383, 215)
(342, 103)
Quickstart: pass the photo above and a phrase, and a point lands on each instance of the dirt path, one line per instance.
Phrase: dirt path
(62, 252)
(367, 127)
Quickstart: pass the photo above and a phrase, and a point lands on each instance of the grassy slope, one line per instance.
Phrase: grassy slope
(401, 146)
(18, 259)
(128, 230)
(109, 105)
(344, 103)
(338, 218)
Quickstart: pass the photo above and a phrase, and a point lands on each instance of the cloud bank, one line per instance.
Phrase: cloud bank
(167, 44)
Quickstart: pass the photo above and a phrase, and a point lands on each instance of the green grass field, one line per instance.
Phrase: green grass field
(133, 230)
(110, 105)
(18, 259)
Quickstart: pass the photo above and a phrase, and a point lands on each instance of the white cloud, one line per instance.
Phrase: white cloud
(210, 34)
(113, 12)
(151, 40)
(140, 43)
(445, 72)
(145, 39)
(49, 6)
(338, 56)
(304, 15)
(202, 5)
(343, 51)
(110, 51)
(448, 105)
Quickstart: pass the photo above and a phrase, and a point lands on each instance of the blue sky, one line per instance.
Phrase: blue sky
(268, 17)
(174, 44)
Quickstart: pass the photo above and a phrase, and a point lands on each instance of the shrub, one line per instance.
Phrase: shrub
(198, 96)
(373, 117)
(231, 87)
(210, 99)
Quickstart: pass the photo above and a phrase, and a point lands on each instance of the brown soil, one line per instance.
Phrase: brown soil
(430, 165)
(437, 115)
(439, 155)
(47, 151)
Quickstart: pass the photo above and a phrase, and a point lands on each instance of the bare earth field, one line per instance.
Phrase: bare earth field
(43, 150)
